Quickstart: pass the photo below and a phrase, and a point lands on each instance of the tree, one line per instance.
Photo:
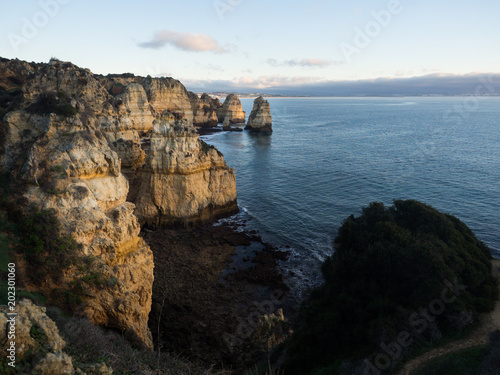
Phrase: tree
(388, 264)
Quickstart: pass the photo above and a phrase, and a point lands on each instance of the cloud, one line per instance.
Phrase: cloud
(248, 83)
(184, 41)
(308, 63)
(432, 84)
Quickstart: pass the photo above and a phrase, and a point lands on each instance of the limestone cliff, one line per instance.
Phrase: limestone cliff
(77, 176)
(203, 113)
(231, 110)
(213, 102)
(199, 184)
(76, 143)
(260, 120)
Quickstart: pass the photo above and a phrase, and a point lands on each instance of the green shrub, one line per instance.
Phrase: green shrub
(50, 102)
(388, 264)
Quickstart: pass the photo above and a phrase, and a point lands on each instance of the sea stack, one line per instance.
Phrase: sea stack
(232, 110)
(260, 120)
(204, 115)
(213, 102)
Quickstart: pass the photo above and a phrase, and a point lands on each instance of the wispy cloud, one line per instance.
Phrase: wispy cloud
(184, 41)
(308, 63)
(249, 83)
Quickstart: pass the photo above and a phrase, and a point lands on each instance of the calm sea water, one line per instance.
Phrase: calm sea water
(329, 157)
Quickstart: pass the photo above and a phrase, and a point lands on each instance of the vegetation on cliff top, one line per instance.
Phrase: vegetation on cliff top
(406, 270)
(51, 102)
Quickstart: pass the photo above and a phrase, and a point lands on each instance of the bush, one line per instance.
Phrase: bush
(9, 100)
(388, 264)
(50, 102)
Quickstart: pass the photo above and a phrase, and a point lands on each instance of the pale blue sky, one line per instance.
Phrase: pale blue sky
(257, 43)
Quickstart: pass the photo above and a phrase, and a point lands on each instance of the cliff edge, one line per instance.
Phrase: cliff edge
(81, 147)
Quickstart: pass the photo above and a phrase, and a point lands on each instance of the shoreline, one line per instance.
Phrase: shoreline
(219, 294)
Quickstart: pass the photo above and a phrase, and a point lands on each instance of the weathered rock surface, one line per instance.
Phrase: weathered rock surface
(34, 333)
(203, 113)
(232, 110)
(29, 316)
(77, 143)
(133, 103)
(38, 343)
(77, 176)
(55, 363)
(260, 119)
(213, 102)
(200, 186)
(169, 94)
(162, 93)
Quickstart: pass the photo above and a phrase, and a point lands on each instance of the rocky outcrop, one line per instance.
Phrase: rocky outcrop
(28, 317)
(38, 343)
(162, 93)
(133, 103)
(79, 147)
(231, 110)
(77, 176)
(203, 114)
(169, 94)
(35, 334)
(213, 102)
(260, 120)
(200, 186)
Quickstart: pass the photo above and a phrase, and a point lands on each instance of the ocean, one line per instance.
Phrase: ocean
(330, 157)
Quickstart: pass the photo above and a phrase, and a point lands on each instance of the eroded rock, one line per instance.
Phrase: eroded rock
(200, 184)
(231, 110)
(260, 120)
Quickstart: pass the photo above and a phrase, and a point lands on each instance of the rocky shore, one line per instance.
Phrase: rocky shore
(218, 295)
(89, 162)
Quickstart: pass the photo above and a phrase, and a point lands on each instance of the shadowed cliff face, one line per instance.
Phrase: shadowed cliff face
(77, 143)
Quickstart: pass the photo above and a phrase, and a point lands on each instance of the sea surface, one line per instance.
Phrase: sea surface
(329, 157)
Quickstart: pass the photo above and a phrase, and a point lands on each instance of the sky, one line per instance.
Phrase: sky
(246, 45)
